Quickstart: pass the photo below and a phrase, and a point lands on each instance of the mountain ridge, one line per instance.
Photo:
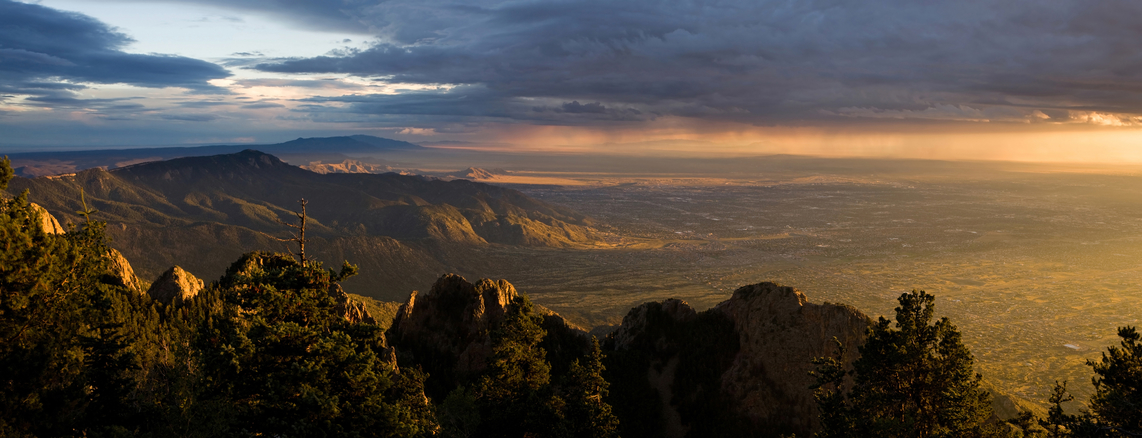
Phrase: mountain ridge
(33, 164)
(192, 208)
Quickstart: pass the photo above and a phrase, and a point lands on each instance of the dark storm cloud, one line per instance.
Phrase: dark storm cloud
(576, 107)
(473, 101)
(45, 52)
(745, 60)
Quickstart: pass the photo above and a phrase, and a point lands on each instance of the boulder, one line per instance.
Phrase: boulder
(175, 286)
(454, 320)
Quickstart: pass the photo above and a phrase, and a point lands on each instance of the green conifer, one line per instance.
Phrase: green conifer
(1117, 401)
(587, 414)
(914, 378)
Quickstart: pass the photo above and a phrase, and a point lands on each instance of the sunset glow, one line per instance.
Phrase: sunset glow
(885, 78)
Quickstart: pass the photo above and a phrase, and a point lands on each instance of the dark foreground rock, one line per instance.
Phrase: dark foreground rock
(738, 369)
(447, 331)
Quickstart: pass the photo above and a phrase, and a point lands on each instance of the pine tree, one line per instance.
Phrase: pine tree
(288, 364)
(514, 393)
(587, 414)
(1117, 400)
(912, 380)
(65, 364)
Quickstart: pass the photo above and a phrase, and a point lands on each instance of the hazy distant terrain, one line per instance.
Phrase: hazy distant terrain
(1038, 269)
(299, 151)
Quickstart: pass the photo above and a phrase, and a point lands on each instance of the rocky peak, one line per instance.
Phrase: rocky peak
(642, 320)
(454, 318)
(121, 272)
(779, 333)
(447, 331)
(354, 311)
(175, 286)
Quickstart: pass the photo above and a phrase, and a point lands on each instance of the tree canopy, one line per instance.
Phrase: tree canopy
(914, 378)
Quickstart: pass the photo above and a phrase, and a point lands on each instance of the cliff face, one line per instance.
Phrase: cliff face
(780, 332)
(741, 368)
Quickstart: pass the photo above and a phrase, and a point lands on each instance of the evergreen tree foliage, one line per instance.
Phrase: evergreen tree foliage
(289, 364)
(914, 378)
(515, 394)
(265, 351)
(585, 389)
(68, 351)
(1115, 406)
(837, 419)
(1117, 400)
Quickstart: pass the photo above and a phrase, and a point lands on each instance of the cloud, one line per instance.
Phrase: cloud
(190, 117)
(47, 52)
(263, 105)
(576, 107)
(117, 105)
(761, 62)
(300, 83)
(469, 102)
(203, 103)
(339, 16)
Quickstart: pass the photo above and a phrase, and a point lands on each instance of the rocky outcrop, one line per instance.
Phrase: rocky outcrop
(640, 321)
(354, 311)
(779, 332)
(447, 331)
(47, 221)
(121, 273)
(741, 368)
(175, 286)
(452, 321)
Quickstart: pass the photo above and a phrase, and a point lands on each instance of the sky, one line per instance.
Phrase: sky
(1043, 80)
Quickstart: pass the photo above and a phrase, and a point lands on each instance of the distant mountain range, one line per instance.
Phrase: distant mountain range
(202, 213)
(32, 164)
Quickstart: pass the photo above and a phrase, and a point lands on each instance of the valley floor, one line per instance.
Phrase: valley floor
(1037, 271)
